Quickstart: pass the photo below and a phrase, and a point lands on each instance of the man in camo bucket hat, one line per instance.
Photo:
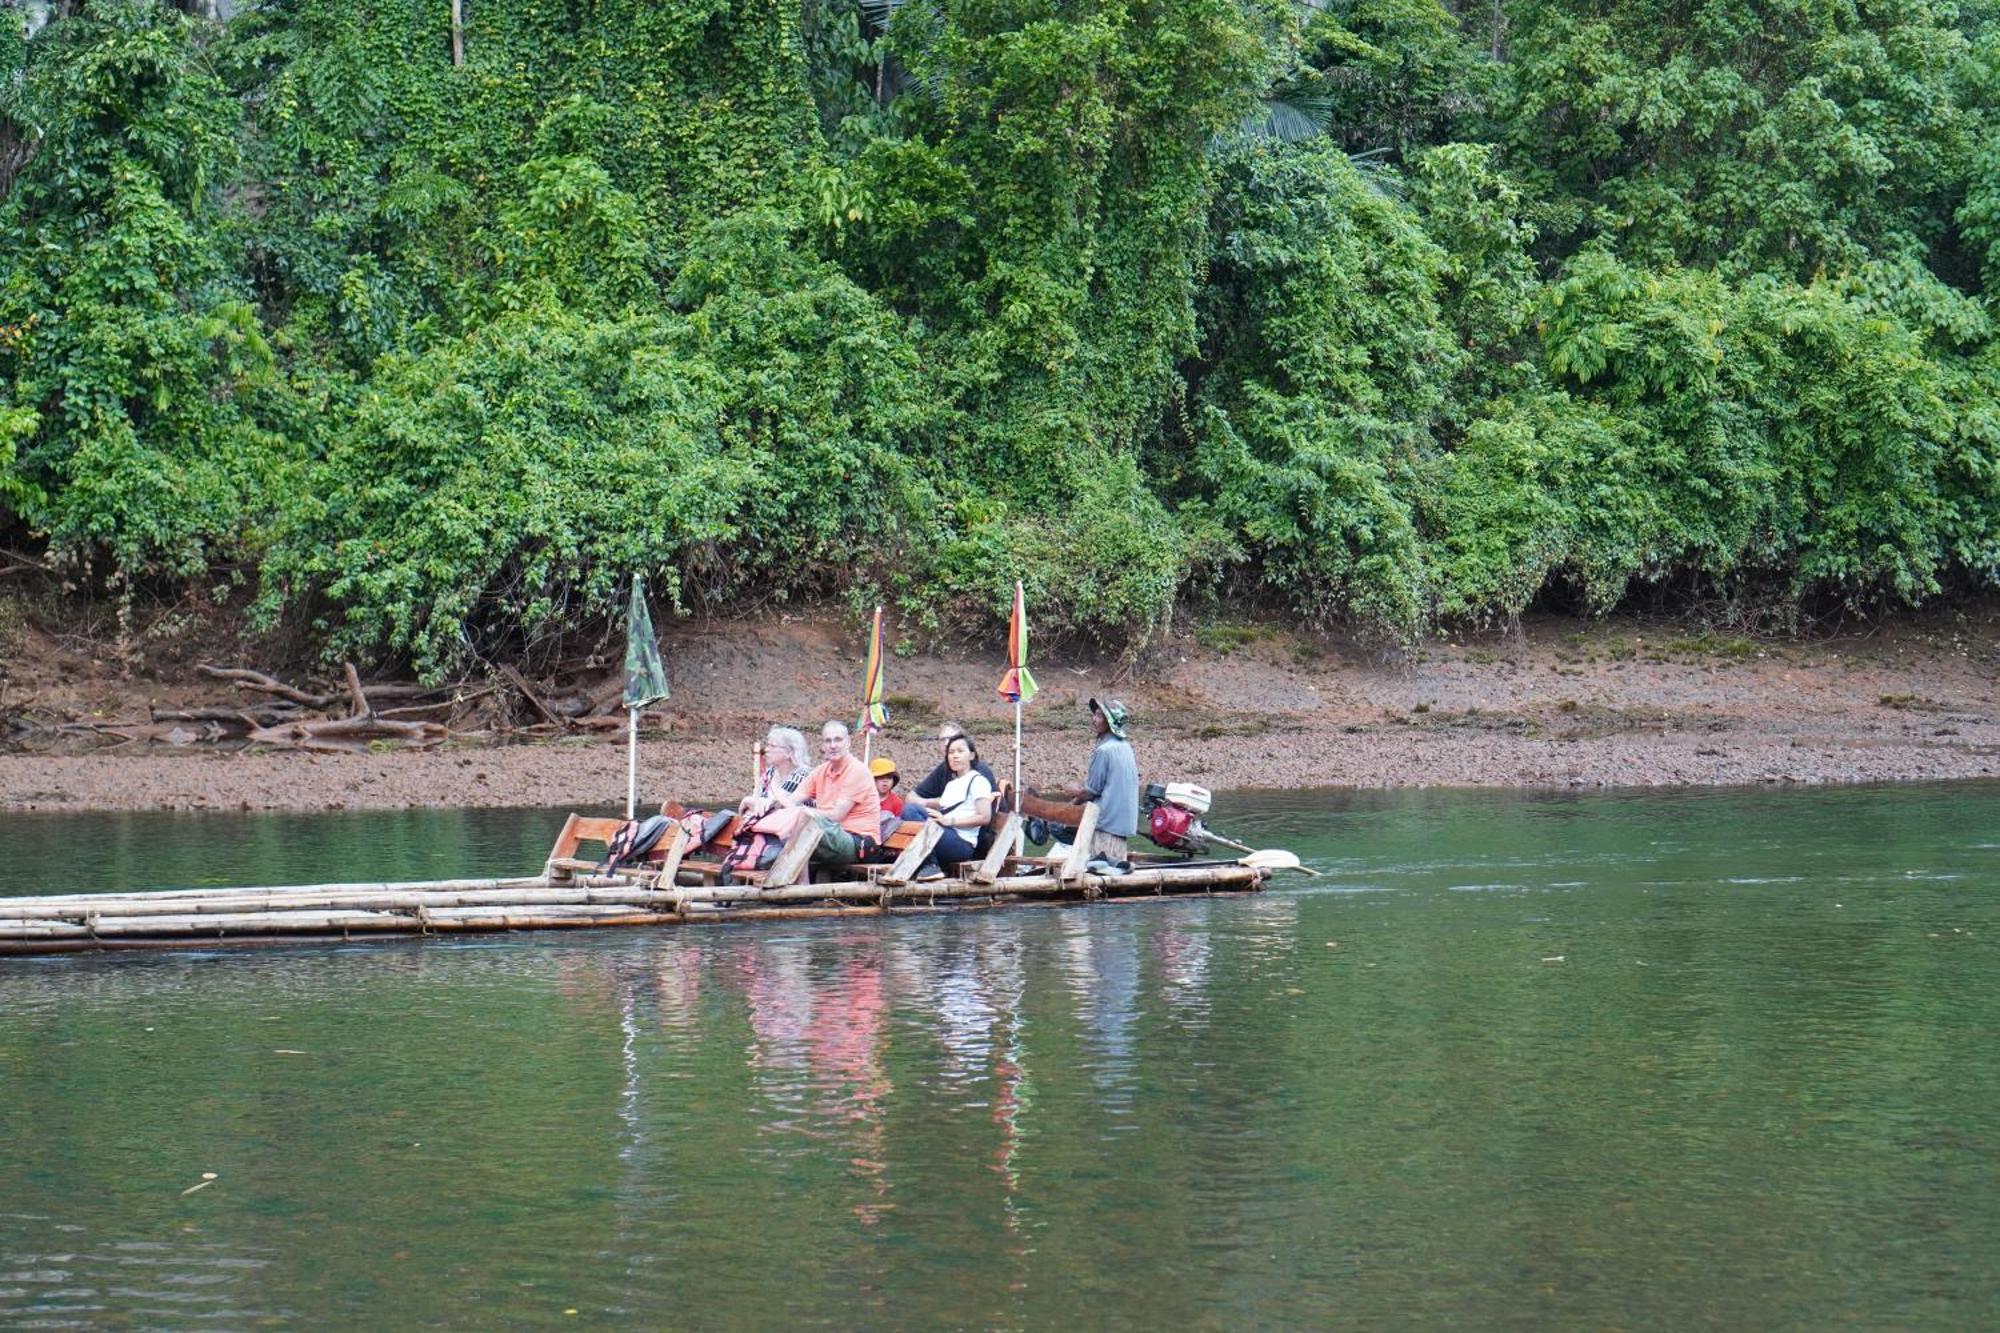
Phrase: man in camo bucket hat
(1112, 782)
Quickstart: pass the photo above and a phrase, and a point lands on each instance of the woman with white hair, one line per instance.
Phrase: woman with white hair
(786, 761)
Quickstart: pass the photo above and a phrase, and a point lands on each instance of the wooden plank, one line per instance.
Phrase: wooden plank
(1079, 854)
(564, 849)
(915, 854)
(996, 856)
(677, 847)
(530, 907)
(792, 860)
(705, 871)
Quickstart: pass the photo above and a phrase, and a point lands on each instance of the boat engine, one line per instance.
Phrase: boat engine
(1173, 816)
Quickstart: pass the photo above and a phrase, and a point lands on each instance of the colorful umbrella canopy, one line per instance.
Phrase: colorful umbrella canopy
(645, 673)
(874, 713)
(1018, 685)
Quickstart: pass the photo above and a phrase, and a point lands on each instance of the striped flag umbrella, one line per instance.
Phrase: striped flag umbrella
(874, 713)
(1018, 685)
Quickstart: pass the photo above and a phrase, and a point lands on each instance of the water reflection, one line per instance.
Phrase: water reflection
(1707, 1077)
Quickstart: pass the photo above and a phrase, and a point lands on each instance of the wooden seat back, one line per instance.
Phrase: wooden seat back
(576, 831)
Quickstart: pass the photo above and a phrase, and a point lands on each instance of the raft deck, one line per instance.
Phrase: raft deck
(677, 887)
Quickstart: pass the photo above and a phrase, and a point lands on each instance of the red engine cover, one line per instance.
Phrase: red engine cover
(1170, 825)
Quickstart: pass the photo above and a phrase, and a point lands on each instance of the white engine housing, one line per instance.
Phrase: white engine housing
(1188, 796)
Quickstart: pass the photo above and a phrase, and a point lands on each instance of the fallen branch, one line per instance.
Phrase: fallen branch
(455, 702)
(256, 680)
(246, 679)
(340, 731)
(519, 682)
(22, 564)
(356, 697)
(249, 719)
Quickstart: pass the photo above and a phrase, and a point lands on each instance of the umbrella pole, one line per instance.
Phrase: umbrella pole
(1020, 826)
(631, 762)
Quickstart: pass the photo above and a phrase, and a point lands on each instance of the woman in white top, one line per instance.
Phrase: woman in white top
(786, 761)
(962, 809)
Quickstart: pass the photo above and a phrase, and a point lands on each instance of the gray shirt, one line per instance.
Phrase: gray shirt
(1113, 782)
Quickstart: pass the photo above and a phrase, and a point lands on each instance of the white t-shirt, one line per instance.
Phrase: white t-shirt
(955, 803)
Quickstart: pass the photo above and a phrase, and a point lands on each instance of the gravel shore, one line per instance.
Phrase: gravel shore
(1559, 704)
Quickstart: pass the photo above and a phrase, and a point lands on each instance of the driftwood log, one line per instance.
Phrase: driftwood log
(344, 732)
(520, 683)
(246, 679)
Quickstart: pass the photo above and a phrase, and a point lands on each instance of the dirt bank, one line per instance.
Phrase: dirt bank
(1562, 703)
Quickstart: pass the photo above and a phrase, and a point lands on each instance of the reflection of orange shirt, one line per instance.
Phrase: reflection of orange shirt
(831, 783)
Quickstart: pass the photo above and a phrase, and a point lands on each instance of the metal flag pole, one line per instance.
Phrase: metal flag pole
(631, 762)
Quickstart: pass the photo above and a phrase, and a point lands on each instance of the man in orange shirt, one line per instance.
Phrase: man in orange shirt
(841, 796)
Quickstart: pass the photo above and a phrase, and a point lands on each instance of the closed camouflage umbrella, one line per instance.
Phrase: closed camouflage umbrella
(645, 683)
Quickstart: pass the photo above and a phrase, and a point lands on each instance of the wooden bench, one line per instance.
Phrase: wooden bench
(706, 869)
(563, 862)
(666, 856)
(909, 845)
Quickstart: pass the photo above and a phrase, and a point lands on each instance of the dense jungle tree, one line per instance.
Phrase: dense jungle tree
(1380, 311)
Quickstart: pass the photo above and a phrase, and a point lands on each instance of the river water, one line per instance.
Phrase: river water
(1518, 1061)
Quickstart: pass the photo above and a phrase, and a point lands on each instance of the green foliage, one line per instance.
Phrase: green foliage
(142, 382)
(504, 482)
(1322, 324)
(1104, 564)
(499, 488)
(16, 424)
(1785, 136)
(1762, 429)
(1375, 310)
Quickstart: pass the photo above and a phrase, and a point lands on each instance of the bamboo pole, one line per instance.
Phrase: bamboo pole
(530, 917)
(405, 928)
(113, 907)
(226, 910)
(584, 890)
(1177, 878)
(351, 886)
(1020, 832)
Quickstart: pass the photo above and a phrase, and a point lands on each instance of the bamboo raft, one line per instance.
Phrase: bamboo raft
(677, 886)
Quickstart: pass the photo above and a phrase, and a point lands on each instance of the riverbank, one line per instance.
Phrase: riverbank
(1562, 703)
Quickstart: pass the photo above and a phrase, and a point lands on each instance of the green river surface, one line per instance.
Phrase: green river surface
(1705, 1059)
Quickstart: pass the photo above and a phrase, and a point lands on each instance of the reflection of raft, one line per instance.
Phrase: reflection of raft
(678, 885)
